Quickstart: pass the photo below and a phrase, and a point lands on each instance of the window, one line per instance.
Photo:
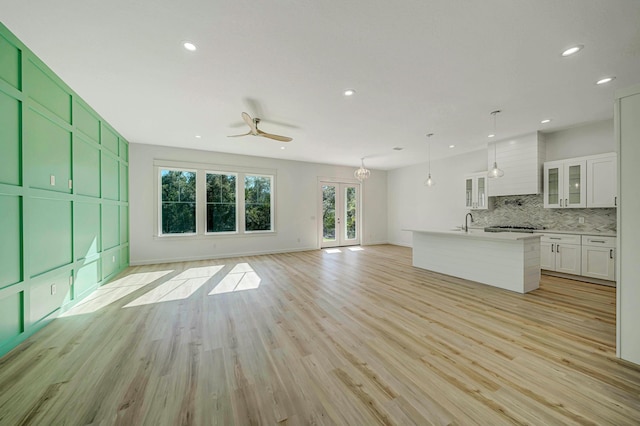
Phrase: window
(257, 203)
(203, 200)
(221, 202)
(178, 194)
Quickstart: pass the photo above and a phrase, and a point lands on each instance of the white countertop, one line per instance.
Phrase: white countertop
(479, 234)
(558, 231)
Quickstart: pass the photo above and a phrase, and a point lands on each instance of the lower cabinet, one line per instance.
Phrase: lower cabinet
(586, 255)
(560, 253)
(598, 257)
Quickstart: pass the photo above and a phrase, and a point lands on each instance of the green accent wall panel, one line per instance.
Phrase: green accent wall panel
(110, 177)
(110, 228)
(10, 63)
(42, 88)
(87, 229)
(10, 240)
(11, 317)
(109, 139)
(124, 182)
(86, 168)
(48, 151)
(50, 234)
(48, 294)
(10, 123)
(110, 264)
(124, 224)
(87, 278)
(124, 150)
(48, 231)
(86, 122)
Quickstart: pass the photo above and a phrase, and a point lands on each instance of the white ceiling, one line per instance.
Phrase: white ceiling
(418, 66)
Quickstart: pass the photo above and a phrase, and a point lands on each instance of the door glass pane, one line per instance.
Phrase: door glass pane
(350, 213)
(469, 192)
(574, 184)
(481, 191)
(328, 213)
(554, 185)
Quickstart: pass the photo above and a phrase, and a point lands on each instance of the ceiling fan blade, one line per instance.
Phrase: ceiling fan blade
(237, 136)
(247, 119)
(274, 137)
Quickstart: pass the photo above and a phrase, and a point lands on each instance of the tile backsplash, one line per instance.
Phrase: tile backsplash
(527, 210)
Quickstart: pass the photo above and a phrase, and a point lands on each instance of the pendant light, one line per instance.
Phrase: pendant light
(362, 173)
(495, 172)
(429, 182)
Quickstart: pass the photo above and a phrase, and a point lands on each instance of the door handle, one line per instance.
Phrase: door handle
(557, 248)
(552, 248)
(611, 254)
(566, 202)
(615, 201)
(560, 202)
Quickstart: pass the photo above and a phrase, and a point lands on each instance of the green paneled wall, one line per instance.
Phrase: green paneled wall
(64, 211)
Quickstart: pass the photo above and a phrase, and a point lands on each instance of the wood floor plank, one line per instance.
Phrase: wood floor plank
(352, 337)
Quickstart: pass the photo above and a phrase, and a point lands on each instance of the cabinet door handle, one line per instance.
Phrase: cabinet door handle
(560, 202)
(555, 238)
(552, 247)
(615, 201)
(557, 248)
(611, 254)
(566, 202)
(597, 241)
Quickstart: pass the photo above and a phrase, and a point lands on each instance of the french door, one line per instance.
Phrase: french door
(340, 214)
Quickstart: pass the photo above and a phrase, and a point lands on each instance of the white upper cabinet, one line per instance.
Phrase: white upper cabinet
(602, 181)
(476, 191)
(521, 160)
(581, 182)
(564, 184)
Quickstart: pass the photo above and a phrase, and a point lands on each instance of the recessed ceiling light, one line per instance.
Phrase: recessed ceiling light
(189, 46)
(545, 121)
(198, 136)
(349, 92)
(282, 147)
(491, 135)
(398, 148)
(605, 80)
(452, 146)
(572, 50)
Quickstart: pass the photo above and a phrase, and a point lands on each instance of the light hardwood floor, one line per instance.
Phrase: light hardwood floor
(353, 338)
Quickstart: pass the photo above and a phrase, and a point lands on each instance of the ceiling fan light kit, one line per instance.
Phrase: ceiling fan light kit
(254, 131)
(362, 173)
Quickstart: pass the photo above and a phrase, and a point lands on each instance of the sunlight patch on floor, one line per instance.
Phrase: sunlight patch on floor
(241, 277)
(332, 251)
(357, 248)
(114, 291)
(179, 287)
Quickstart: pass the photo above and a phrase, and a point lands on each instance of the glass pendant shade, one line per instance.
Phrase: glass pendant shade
(362, 173)
(429, 182)
(495, 172)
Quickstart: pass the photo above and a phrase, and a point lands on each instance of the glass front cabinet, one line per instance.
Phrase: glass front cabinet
(476, 191)
(564, 184)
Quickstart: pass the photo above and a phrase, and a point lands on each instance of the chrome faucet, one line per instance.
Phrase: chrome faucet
(466, 227)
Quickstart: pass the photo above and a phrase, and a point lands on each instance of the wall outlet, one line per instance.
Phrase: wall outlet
(53, 289)
(580, 219)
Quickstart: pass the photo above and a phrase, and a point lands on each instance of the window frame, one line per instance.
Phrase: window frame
(206, 203)
(159, 231)
(271, 202)
(201, 170)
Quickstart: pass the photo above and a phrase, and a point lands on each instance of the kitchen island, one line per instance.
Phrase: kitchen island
(508, 260)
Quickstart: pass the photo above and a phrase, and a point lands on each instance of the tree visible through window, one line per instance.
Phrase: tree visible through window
(178, 201)
(221, 202)
(257, 196)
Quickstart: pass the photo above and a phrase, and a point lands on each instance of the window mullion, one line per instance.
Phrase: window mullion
(240, 202)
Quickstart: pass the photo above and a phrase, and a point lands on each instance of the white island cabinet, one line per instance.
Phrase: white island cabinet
(507, 260)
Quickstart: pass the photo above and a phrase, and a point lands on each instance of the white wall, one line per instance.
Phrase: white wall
(296, 207)
(413, 205)
(590, 139)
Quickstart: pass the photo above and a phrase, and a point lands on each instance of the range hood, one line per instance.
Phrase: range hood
(521, 158)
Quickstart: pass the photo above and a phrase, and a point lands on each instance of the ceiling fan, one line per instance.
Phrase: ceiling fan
(253, 125)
